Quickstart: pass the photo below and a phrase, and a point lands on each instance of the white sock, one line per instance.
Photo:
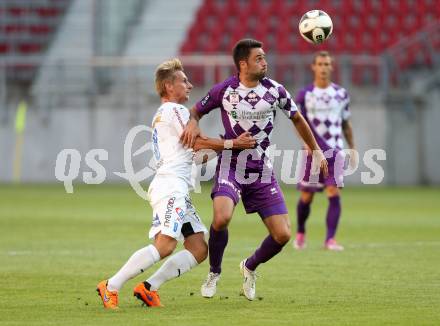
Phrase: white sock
(176, 265)
(136, 264)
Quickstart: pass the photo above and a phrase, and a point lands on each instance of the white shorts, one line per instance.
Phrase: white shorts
(175, 216)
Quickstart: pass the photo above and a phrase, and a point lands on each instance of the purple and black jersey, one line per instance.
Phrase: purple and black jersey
(248, 109)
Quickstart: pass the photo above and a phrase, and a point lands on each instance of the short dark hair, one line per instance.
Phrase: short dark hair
(243, 48)
(321, 54)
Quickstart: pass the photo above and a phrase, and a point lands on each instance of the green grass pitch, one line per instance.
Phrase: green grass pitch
(55, 247)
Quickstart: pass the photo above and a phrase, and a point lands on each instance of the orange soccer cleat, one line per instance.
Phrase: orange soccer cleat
(150, 298)
(109, 298)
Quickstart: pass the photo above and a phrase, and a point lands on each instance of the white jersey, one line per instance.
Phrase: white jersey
(173, 161)
(173, 212)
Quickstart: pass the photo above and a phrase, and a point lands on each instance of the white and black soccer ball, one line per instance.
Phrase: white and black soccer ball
(315, 26)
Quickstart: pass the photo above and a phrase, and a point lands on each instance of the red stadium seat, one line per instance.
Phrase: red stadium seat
(360, 27)
(4, 48)
(26, 28)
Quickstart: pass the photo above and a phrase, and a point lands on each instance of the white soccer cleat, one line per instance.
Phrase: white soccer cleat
(332, 245)
(249, 279)
(209, 287)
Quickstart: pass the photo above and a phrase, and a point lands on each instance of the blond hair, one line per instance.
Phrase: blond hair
(165, 73)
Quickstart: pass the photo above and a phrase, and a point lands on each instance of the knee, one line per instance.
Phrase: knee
(332, 191)
(165, 248)
(307, 197)
(166, 251)
(282, 237)
(221, 221)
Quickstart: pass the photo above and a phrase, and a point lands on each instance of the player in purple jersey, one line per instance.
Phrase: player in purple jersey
(325, 106)
(248, 102)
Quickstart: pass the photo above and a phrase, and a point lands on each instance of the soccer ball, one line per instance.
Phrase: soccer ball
(315, 26)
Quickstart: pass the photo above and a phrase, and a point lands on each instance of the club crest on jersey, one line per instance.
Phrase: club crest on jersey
(252, 97)
(234, 98)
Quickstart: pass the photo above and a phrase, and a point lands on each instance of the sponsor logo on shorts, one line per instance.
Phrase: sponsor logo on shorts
(170, 205)
(180, 213)
(156, 221)
(188, 203)
(230, 184)
(273, 191)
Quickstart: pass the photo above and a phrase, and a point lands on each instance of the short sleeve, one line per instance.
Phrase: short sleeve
(300, 101)
(212, 100)
(285, 102)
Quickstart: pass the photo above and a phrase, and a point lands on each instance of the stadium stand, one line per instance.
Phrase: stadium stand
(26, 29)
(358, 29)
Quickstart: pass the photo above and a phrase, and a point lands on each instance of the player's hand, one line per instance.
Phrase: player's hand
(319, 158)
(244, 141)
(353, 158)
(324, 167)
(190, 133)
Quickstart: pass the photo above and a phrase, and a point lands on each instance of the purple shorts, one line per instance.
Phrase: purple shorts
(316, 183)
(261, 196)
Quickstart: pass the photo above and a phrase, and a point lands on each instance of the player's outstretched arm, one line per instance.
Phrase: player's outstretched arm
(307, 136)
(192, 130)
(244, 141)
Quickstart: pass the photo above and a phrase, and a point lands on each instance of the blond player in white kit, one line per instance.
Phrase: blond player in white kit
(174, 216)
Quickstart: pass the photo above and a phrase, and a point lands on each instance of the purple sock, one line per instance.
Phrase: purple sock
(269, 248)
(333, 214)
(303, 212)
(217, 244)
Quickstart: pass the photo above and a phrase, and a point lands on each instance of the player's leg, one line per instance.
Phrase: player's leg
(165, 246)
(141, 260)
(302, 214)
(308, 186)
(192, 230)
(265, 198)
(279, 234)
(218, 239)
(218, 233)
(178, 264)
(333, 215)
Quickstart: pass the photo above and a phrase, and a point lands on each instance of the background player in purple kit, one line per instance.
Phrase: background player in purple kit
(248, 102)
(325, 106)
